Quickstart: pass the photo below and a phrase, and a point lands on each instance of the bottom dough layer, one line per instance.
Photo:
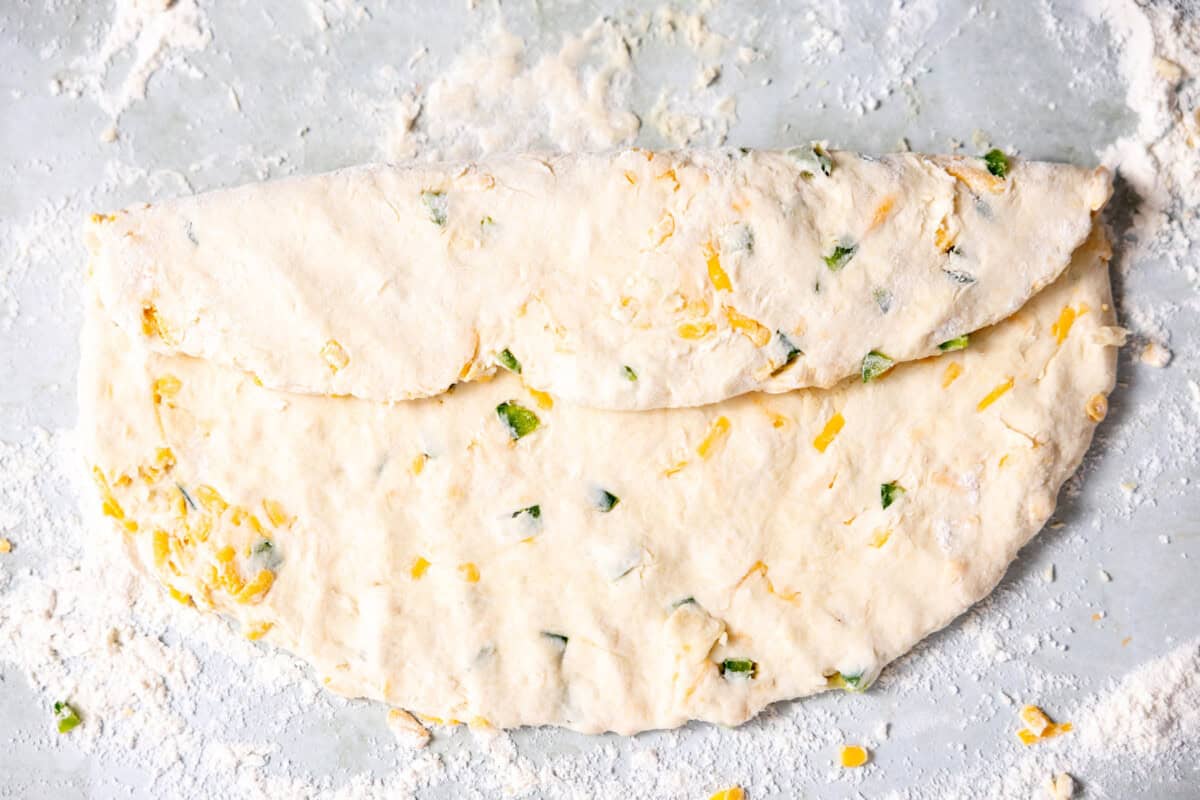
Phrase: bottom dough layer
(748, 557)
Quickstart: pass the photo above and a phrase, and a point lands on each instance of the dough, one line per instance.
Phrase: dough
(606, 570)
(627, 281)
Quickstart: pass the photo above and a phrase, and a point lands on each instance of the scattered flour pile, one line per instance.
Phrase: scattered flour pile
(149, 35)
(497, 96)
(483, 102)
(1148, 723)
(1160, 59)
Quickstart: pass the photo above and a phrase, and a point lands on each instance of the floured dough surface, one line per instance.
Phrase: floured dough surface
(627, 281)
(692, 563)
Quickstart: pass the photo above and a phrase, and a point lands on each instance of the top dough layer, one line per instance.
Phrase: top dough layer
(627, 281)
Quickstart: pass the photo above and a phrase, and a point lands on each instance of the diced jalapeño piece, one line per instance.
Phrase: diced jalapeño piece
(890, 493)
(850, 682)
(997, 163)
(68, 719)
(854, 683)
(436, 206)
(604, 500)
(957, 343)
(628, 372)
(812, 158)
(518, 419)
(533, 511)
(739, 669)
(875, 364)
(509, 361)
(790, 351)
(840, 256)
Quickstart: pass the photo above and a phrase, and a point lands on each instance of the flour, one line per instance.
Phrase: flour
(152, 34)
(679, 127)
(1153, 711)
(491, 99)
(1161, 159)
(1147, 722)
(500, 95)
(190, 709)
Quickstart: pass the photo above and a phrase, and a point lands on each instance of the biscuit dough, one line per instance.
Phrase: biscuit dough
(495, 553)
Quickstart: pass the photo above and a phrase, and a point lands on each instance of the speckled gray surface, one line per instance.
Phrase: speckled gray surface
(313, 99)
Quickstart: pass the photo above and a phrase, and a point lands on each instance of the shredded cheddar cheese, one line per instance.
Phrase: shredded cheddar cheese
(750, 328)
(258, 630)
(242, 516)
(832, 428)
(942, 238)
(717, 431)
(664, 229)
(953, 370)
(161, 547)
(543, 399)
(853, 755)
(469, 572)
(718, 276)
(695, 330)
(1036, 721)
(979, 180)
(211, 499)
(276, 514)
(669, 175)
(732, 793)
(153, 325)
(1062, 326)
(883, 211)
(1039, 726)
(759, 568)
(256, 589)
(994, 395)
(109, 504)
(166, 386)
(674, 469)
(418, 568)
(334, 355)
(179, 597)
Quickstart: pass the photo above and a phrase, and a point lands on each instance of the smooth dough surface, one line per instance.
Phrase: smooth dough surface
(393, 545)
(704, 274)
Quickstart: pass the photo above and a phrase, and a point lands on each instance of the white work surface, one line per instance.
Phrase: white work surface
(302, 87)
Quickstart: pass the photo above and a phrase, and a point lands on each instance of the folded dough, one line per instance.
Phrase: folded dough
(603, 570)
(627, 281)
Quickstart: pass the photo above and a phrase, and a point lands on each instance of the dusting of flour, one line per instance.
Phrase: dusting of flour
(180, 706)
